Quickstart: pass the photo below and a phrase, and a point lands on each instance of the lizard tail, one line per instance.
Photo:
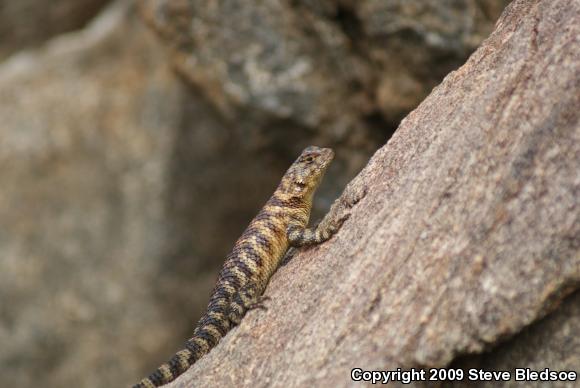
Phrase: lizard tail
(169, 371)
(210, 329)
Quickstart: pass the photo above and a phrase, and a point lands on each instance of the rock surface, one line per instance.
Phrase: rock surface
(26, 23)
(469, 233)
(321, 63)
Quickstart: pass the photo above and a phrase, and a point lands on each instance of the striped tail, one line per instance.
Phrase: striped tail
(210, 329)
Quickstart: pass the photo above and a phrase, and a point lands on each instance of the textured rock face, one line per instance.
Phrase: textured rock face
(321, 62)
(469, 233)
(31, 22)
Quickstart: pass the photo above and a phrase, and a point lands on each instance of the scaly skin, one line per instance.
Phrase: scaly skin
(281, 223)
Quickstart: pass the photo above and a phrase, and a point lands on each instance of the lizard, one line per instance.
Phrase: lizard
(280, 225)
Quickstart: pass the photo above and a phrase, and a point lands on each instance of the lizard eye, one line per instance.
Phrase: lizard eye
(308, 159)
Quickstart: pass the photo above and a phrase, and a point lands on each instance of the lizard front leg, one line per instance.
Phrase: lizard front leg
(299, 235)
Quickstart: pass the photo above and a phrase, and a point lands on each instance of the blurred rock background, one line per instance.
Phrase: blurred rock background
(138, 139)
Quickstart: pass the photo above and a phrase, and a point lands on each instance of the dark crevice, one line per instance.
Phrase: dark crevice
(349, 23)
(379, 127)
(353, 29)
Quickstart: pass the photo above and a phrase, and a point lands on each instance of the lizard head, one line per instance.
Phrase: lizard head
(305, 174)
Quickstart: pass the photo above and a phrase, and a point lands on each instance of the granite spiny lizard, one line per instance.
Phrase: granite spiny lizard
(281, 223)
